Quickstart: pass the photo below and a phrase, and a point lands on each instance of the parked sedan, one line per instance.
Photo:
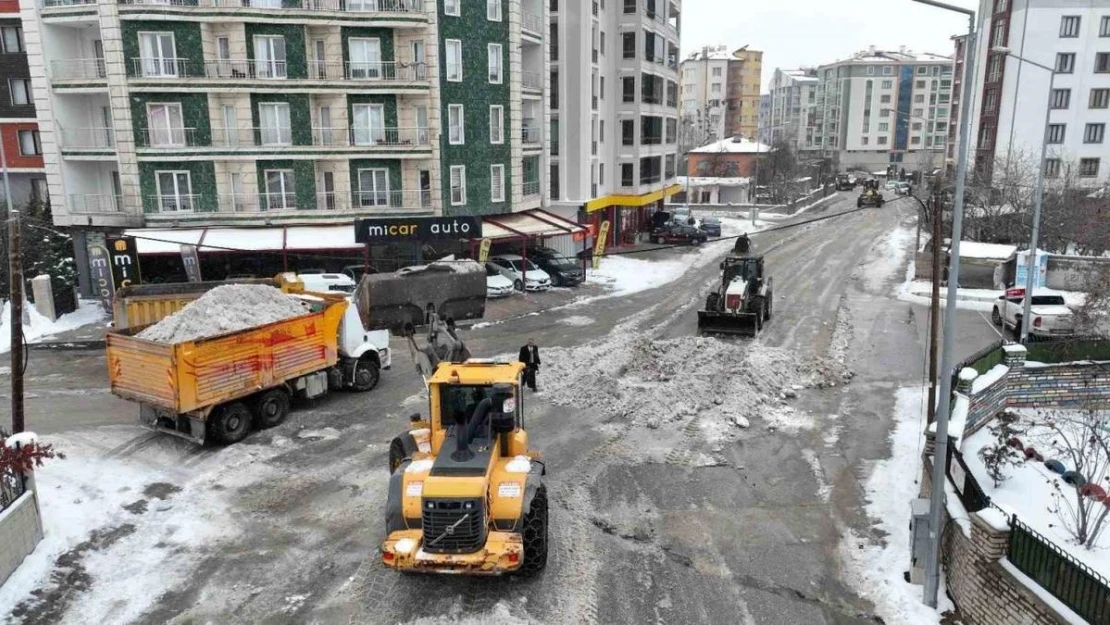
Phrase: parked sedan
(497, 285)
(712, 226)
(679, 234)
(526, 276)
(563, 271)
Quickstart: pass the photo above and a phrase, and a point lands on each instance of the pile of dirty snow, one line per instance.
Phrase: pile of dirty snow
(226, 308)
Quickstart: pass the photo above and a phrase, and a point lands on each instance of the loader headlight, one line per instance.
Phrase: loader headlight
(430, 505)
(509, 405)
(468, 505)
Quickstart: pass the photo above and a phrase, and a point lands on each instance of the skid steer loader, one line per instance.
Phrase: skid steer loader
(743, 300)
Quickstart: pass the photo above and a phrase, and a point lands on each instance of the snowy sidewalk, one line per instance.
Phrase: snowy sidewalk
(924, 288)
(86, 325)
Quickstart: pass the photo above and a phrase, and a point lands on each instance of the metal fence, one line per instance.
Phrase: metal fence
(11, 487)
(1069, 349)
(1077, 586)
(967, 487)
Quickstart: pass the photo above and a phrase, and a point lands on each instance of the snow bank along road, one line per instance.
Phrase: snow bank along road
(665, 508)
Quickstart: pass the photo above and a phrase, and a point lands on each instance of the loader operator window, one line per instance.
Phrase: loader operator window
(745, 271)
(457, 404)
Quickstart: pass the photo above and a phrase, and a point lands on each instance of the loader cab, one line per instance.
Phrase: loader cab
(747, 269)
(457, 391)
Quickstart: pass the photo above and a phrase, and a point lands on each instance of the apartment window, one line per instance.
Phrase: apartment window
(12, 39)
(1069, 26)
(458, 185)
(870, 70)
(650, 169)
(497, 124)
(1088, 167)
(994, 68)
(368, 123)
(864, 140)
(630, 6)
(1056, 133)
(493, 10)
(990, 103)
(888, 84)
(884, 113)
(882, 140)
(1061, 98)
(915, 140)
(601, 44)
(1052, 168)
(672, 94)
(281, 191)
(916, 126)
(1104, 27)
(158, 56)
(669, 166)
(165, 125)
(497, 183)
(628, 89)
(373, 187)
(29, 143)
(601, 87)
(922, 71)
(601, 174)
(628, 177)
(919, 99)
(1094, 133)
(651, 89)
(1065, 62)
(888, 71)
(1000, 33)
(454, 60)
(269, 56)
(628, 132)
(942, 111)
(999, 6)
(1102, 62)
(651, 130)
(452, 7)
(456, 125)
(1100, 98)
(716, 72)
(884, 99)
(494, 50)
(628, 45)
(884, 127)
(174, 191)
(20, 89)
(672, 131)
(715, 88)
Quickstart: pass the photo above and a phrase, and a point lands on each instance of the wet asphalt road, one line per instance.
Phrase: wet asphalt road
(754, 540)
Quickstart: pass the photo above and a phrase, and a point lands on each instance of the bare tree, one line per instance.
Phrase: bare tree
(1000, 455)
(1093, 316)
(1081, 441)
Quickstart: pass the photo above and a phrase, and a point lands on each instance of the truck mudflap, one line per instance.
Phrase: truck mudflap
(191, 427)
(712, 322)
(502, 553)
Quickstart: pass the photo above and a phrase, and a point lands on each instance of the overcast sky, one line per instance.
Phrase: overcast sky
(796, 33)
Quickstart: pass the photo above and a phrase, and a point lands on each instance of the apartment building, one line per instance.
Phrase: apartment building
(765, 102)
(614, 108)
(793, 98)
(197, 113)
(745, 71)
(1009, 97)
(720, 94)
(19, 134)
(882, 107)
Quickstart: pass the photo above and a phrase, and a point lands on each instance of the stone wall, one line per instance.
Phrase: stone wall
(20, 531)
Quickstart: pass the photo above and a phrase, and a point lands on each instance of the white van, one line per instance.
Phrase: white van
(328, 282)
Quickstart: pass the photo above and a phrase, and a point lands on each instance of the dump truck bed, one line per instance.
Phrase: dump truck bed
(199, 375)
(144, 304)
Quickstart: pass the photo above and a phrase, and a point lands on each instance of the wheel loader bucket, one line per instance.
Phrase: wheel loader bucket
(743, 324)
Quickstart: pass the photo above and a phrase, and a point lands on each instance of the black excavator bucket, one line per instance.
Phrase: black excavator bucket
(741, 324)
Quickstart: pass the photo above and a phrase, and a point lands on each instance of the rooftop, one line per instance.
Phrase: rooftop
(902, 55)
(733, 145)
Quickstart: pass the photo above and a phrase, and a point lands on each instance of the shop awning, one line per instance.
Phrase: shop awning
(632, 201)
(530, 223)
(270, 239)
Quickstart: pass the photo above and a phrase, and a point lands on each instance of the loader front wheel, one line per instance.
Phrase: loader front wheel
(271, 408)
(396, 455)
(770, 306)
(535, 535)
(230, 423)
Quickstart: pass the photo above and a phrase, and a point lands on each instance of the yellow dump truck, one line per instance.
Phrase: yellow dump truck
(221, 387)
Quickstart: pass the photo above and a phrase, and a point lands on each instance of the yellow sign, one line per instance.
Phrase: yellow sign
(483, 251)
(599, 247)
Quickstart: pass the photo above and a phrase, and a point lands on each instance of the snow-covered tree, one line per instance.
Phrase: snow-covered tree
(1000, 455)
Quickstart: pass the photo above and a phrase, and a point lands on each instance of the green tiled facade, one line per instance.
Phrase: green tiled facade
(476, 95)
(296, 63)
(304, 179)
(389, 103)
(202, 179)
(194, 113)
(300, 114)
(385, 35)
(394, 167)
(186, 42)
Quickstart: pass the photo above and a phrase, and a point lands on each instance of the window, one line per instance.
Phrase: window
(922, 71)
(1061, 98)
(715, 88)
(628, 132)
(165, 125)
(628, 88)
(884, 113)
(916, 126)
(494, 50)
(12, 39)
(601, 44)
(497, 124)
(919, 84)
(1069, 26)
(368, 125)
(1088, 167)
(1065, 62)
(452, 7)
(1100, 98)
(672, 131)
(454, 60)
(373, 187)
(884, 127)
(628, 45)
(458, 185)
(29, 143)
(497, 183)
(456, 125)
(888, 71)
(915, 140)
(651, 89)
(276, 126)
(280, 189)
(716, 72)
(870, 70)
(994, 68)
(365, 57)
(888, 84)
(20, 89)
(864, 140)
(174, 191)
(269, 56)
(1094, 133)
(882, 140)
(493, 10)
(884, 99)
(669, 166)
(1104, 27)
(1102, 63)
(990, 103)
(630, 6)
(650, 169)
(999, 36)
(1052, 168)
(919, 99)
(1056, 133)
(601, 174)
(628, 177)
(157, 54)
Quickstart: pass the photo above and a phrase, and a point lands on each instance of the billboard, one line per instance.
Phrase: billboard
(417, 229)
(124, 260)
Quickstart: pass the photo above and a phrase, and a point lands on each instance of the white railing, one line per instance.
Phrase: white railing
(532, 80)
(88, 138)
(241, 69)
(531, 134)
(354, 70)
(531, 22)
(532, 188)
(359, 201)
(280, 136)
(78, 69)
(172, 203)
(347, 6)
(167, 138)
(92, 203)
(54, 4)
(165, 68)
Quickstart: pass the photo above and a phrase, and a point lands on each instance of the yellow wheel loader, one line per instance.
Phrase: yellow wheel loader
(466, 495)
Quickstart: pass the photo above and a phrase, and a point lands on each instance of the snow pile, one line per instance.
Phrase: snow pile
(226, 308)
(39, 327)
(887, 258)
(501, 614)
(625, 275)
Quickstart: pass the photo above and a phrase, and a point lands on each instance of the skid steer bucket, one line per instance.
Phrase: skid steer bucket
(744, 324)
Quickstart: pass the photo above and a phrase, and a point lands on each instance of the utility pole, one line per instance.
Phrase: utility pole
(934, 308)
(15, 292)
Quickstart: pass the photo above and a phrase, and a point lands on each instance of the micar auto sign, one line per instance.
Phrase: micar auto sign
(416, 229)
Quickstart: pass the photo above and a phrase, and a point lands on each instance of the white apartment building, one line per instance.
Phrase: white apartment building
(793, 97)
(704, 94)
(1009, 97)
(614, 110)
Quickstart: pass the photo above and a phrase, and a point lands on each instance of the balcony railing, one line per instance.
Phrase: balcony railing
(88, 138)
(532, 80)
(532, 23)
(358, 201)
(531, 135)
(169, 138)
(166, 68)
(242, 68)
(78, 69)
(351, 6)
(354, 70)
(53, 4)
(279, 136)
(531, 188)
(173, 203)
(91, 204)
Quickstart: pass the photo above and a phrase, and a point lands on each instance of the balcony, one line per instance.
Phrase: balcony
(77, 70)
(93, 204)
(173, 204)
(532, 24)
(88, 138)
(531, 135)
(278, 137)
(170, 139)
(385, 71)
(532, 81)
(329, 6)
(244, 69)
(287, 204)
(531, 188)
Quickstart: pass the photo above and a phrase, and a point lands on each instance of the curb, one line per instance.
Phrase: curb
(63, 346)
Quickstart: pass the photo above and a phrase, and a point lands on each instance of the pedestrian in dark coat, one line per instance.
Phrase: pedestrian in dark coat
(530, 356)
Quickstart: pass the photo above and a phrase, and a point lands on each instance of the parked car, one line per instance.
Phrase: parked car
(526, 276)
(1051, 315)
(563, 271)
(903, 188)
(681, 215)
(497, 285)
(890, 185)
(711, 226)
(679, 234)
(328, 282)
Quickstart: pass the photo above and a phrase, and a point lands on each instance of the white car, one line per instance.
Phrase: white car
(497, 285)
(517, 269)
(1051, 316)
(328, 282)
(891, 185)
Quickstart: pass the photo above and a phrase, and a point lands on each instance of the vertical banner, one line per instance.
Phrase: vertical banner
(100, 265)
(192, 262)
(125, 260)
(599, 247)
(483, 251)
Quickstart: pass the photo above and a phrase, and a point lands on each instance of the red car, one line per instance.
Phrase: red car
(679, 234)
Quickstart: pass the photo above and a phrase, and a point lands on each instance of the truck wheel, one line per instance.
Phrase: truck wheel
(230, 423)
(996, 318)
(366, 375)
(271, 408)
(535, 535)
(396, 454)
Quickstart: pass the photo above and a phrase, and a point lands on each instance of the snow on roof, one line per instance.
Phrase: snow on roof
(708, 181)
(253, 239)
(320, 238)
(975, 249)
(719, 53)
(733, 145)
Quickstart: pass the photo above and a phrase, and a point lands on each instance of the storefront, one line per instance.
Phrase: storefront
(514, 233)
(629, 216)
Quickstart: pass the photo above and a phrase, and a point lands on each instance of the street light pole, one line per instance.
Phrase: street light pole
(940, 454)
(15, 298)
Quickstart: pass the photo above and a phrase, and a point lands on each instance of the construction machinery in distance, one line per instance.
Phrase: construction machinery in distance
(871, 195)
(466, 494)
(744, 299)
